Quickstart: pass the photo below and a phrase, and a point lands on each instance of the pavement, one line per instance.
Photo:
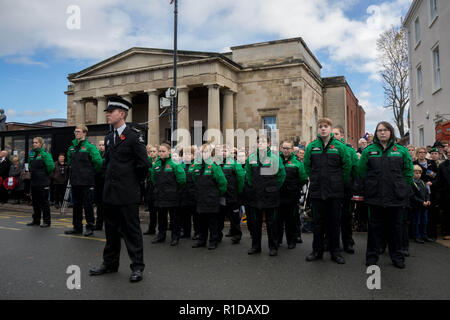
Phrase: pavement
(34, 261)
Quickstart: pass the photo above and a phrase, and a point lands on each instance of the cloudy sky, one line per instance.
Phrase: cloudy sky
(38, 50)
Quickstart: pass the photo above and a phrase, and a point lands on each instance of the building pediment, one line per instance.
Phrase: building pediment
(136, 59)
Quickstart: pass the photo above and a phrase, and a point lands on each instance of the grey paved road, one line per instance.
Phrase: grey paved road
(33, 263)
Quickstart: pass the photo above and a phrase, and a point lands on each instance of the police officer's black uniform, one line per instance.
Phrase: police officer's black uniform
(126, 164)
(99, 185)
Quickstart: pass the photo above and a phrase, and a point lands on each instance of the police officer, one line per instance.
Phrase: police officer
(328, 165)
(168, 179)
(347, 204)
(235, 175)
(99, 185)
(290, 194)
(211, 185)
(387, 172)
(265, 175)
(41, 167)
(126, 164)
(84, 160)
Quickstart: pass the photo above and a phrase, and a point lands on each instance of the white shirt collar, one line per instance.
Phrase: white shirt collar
(120, 130)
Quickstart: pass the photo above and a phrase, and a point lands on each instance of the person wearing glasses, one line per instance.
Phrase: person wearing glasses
(288, 217)
(429, 176)
(386, 170)
(85, 161)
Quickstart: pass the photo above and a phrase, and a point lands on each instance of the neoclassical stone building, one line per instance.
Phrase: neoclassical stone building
(275, 83)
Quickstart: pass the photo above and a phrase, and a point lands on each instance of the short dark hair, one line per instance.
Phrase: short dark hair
(389, 127)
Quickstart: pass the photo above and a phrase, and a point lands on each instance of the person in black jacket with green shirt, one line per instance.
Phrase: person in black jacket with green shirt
(41, 166)
(290, 194)
(235, 175)
(188, 204)
(386, 170)
(347, 205)
(265, 176)
(328, 164)
(168, 179)
(211, 184)
(84, 160)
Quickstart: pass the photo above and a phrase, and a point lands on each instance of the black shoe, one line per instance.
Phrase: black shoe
(45, 225)
(273, 252)
(429, 239)
(291, 245)
(299, 240)
(212, 246)
(314, 256)
(235, 240)
(136, 276)
(349, 249)
(73, 231)
(338, 259)
(88, 232)
(102, 270)
(199, 244)
(33, 223)
(159, 240)
(419, 241)
(254, 250)
(174, 242)
(399, 264)
(406, 253)
(371, 263)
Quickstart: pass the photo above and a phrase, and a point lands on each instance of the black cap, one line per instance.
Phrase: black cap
(118, 103)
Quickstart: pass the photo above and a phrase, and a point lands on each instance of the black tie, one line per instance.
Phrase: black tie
(116, 137)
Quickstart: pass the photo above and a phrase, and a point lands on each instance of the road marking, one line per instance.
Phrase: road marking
(82, 237)
(6, 228)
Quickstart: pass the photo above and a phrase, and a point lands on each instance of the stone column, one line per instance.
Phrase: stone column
(80, 111)
(213, 109)
(129, 98)
(228, 113)
(101, 106)
(153, 117)
(183, 114)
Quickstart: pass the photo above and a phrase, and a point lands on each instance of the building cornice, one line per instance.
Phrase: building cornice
(412, 10)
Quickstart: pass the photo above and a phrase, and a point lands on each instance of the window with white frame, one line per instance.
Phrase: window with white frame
(421, 137)
(417, 30)
(419, 83)
(436, 68)
(433, 9)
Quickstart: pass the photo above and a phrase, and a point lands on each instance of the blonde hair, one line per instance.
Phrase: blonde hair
(418, 149)
(324, 121)
(40, 140)
(82, 127)
(416, 167)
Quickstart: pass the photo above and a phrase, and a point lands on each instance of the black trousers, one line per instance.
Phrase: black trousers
(209, 224)
(433, 221)
(83, 197)
(60, 190)
(326, 219)
(288, 220)
(232, 213)
(41, 204)
(99, 205)
(406, 219)
(189, 218)
(153, 217)
(271, 224)
(174, 214)
(3, 194)
(347, 222)
(123, 222)
(445, 230)
(385, 226)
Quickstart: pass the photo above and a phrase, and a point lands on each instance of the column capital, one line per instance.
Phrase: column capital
(228, 91)
(148, 91)
(183, 88)
(212, 85)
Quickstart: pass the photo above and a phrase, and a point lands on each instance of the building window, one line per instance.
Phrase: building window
(419, 84)
(433, 10)
(417, 30)
(421, 137)
(270, 123)
(436, 68)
